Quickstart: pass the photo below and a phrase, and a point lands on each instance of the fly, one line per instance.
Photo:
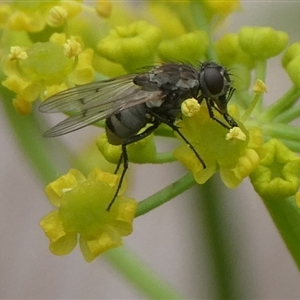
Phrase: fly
(128, 103)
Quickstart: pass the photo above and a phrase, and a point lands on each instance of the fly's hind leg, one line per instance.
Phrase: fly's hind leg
(124, 157)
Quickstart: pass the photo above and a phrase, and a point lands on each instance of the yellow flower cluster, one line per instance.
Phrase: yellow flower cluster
(44, 69)
(47, 47)
(234, 155)
(82, 211)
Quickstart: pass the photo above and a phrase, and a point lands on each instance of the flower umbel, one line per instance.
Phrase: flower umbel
(49, 46)
(82, 211)
(231, 153)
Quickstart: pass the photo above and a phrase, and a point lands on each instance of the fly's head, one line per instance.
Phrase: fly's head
(214, 80)
(215, 86)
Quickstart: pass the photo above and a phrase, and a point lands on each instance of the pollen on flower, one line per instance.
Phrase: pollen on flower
(82, 211)
(190, 107)
(259, 87)
(57, 16)
(72, 48)
(236, 134)
(235, 154)
(17, 52)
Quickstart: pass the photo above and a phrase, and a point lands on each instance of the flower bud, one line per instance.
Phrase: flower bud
(190, 47)
(277, 175)
(262, 42)
(132, 46)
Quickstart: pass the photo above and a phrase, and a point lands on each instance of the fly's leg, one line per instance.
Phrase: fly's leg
(119, 163)
(124, 156)
(227, 117)
(176, 129)
(210, 105)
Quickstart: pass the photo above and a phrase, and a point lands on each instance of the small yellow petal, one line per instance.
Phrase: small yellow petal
(94, 247)
(57, 188)
(61, 242)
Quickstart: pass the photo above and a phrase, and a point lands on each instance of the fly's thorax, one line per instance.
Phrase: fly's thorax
(169, 77)
(127, 123)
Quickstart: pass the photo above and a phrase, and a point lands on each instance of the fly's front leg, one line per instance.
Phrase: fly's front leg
(210, 106)
(170, 123)
(124, 156)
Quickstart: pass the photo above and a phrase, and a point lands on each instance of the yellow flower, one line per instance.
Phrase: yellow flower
(142, 151)
(234, 154)
(277, 175)
(57, 16)
(82, 212)
(33, 16)
(44, 67)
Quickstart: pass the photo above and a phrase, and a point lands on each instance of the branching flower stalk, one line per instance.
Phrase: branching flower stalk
(47, 47)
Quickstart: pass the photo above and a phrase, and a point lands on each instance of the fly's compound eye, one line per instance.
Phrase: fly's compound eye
(212, 81)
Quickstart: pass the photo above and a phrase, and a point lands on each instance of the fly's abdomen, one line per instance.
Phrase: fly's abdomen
(126, 124)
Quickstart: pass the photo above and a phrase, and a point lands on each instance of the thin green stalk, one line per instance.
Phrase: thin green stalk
(289, 115)
(286, 101)
(286, 215)
(166, 194)
(294, 146)
(163, 157)
(222, 258)
(282, 131)
(256, 99)
(260, 73)
(141, 276)
(29, 136)
(199, 18)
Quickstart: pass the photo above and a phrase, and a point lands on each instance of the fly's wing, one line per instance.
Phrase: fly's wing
(95, 101)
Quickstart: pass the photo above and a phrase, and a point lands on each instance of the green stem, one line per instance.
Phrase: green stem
(261, 70)
(141, 276)
(166, 194)
(163, 157)
(251, 107)
(282, 131)
(285, 102)
(260, 73)
(219, 242)
(289, 115)
(286, 215)
(199, 18)
(294, 146)
(29, 136)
